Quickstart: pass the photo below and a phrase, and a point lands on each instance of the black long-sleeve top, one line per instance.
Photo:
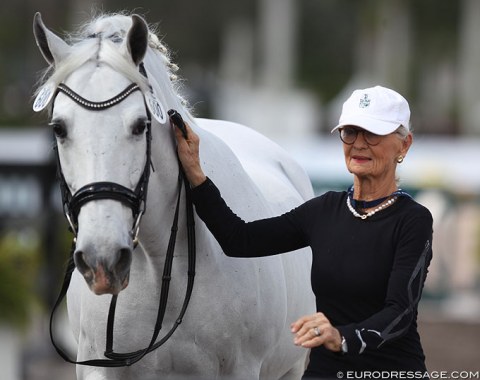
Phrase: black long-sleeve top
(367, 275)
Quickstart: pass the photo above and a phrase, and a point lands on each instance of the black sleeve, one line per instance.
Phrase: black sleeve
(238, 238)
(412, 257)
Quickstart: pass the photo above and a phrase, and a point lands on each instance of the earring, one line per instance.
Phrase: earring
(400, 159)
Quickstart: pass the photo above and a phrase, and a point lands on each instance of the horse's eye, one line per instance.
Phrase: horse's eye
(139, 127)
(59, 129)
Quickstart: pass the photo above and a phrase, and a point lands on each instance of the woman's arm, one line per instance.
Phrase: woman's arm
(409, 270)
(236, 237)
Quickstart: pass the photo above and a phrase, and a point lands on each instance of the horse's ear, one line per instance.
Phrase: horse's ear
(137, 39)
(52, 47)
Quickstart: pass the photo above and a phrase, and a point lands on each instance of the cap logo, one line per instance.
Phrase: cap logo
(364, 102)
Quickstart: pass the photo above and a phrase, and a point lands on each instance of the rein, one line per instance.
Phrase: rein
(136, 200)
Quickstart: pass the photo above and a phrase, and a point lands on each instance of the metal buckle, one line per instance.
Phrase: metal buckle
(136, 225)
(70, 222)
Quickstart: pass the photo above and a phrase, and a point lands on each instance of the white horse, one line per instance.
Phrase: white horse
(237, 323)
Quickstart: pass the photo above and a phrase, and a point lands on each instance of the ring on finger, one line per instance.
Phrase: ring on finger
(316, 331)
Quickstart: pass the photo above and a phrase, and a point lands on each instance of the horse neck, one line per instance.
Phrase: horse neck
(163, 186)
(162, 191)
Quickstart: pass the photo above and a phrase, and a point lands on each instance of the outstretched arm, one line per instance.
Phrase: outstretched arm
(237, 238)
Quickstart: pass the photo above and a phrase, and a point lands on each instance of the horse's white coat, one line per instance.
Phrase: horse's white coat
(237, 323)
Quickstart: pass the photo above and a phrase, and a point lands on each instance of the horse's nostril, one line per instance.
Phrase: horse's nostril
(124, 260)
(105, 274)
(81, 264)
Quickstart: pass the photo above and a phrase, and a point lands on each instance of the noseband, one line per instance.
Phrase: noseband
(136, 200)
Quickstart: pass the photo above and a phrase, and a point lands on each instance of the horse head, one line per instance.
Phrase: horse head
(101, 106)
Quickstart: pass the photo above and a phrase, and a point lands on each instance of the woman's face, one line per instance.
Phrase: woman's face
(377, 162)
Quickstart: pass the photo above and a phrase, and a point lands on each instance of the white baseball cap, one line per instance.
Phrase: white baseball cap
(377, 109)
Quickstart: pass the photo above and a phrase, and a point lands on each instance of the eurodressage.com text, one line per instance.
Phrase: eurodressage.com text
(408, 375)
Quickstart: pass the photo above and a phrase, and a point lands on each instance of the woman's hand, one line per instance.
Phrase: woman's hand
(188, 153)
(316, 330)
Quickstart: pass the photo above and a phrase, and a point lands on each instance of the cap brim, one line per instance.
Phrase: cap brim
(379, 127)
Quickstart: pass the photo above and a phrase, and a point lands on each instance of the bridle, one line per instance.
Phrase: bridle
(136, 200)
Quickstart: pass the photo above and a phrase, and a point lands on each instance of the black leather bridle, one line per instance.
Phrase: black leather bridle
(136, 200)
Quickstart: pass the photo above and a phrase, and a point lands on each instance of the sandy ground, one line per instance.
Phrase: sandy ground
(451, 345)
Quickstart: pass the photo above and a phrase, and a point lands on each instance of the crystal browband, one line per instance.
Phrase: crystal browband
(97, 105)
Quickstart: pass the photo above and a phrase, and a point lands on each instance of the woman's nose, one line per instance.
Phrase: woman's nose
(360, 140)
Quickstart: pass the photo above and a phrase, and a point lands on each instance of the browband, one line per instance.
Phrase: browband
(97, 105)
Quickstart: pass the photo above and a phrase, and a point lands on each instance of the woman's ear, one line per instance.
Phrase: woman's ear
(406, 144)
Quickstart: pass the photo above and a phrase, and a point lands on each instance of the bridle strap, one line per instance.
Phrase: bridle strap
(126, 359)
(104, 190)
(136, 200)
(133, 357)
(97, 106)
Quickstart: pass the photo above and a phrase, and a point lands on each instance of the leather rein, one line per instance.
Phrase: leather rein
(136, 200)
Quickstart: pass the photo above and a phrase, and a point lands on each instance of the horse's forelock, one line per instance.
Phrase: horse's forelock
(105, 53)
(109, 25)
(99, 40)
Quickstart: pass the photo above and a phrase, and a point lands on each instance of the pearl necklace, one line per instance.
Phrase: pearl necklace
(373, 212)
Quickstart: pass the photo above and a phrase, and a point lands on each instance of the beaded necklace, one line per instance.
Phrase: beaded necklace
(352, 203)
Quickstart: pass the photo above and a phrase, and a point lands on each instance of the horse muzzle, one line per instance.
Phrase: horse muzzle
(105, 276)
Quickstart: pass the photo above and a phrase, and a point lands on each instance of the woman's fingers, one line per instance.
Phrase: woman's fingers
(307, 321)
(188, 153)
(311, 330)
(316, 330)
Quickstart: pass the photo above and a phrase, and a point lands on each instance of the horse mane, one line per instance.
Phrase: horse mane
(99, 40)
